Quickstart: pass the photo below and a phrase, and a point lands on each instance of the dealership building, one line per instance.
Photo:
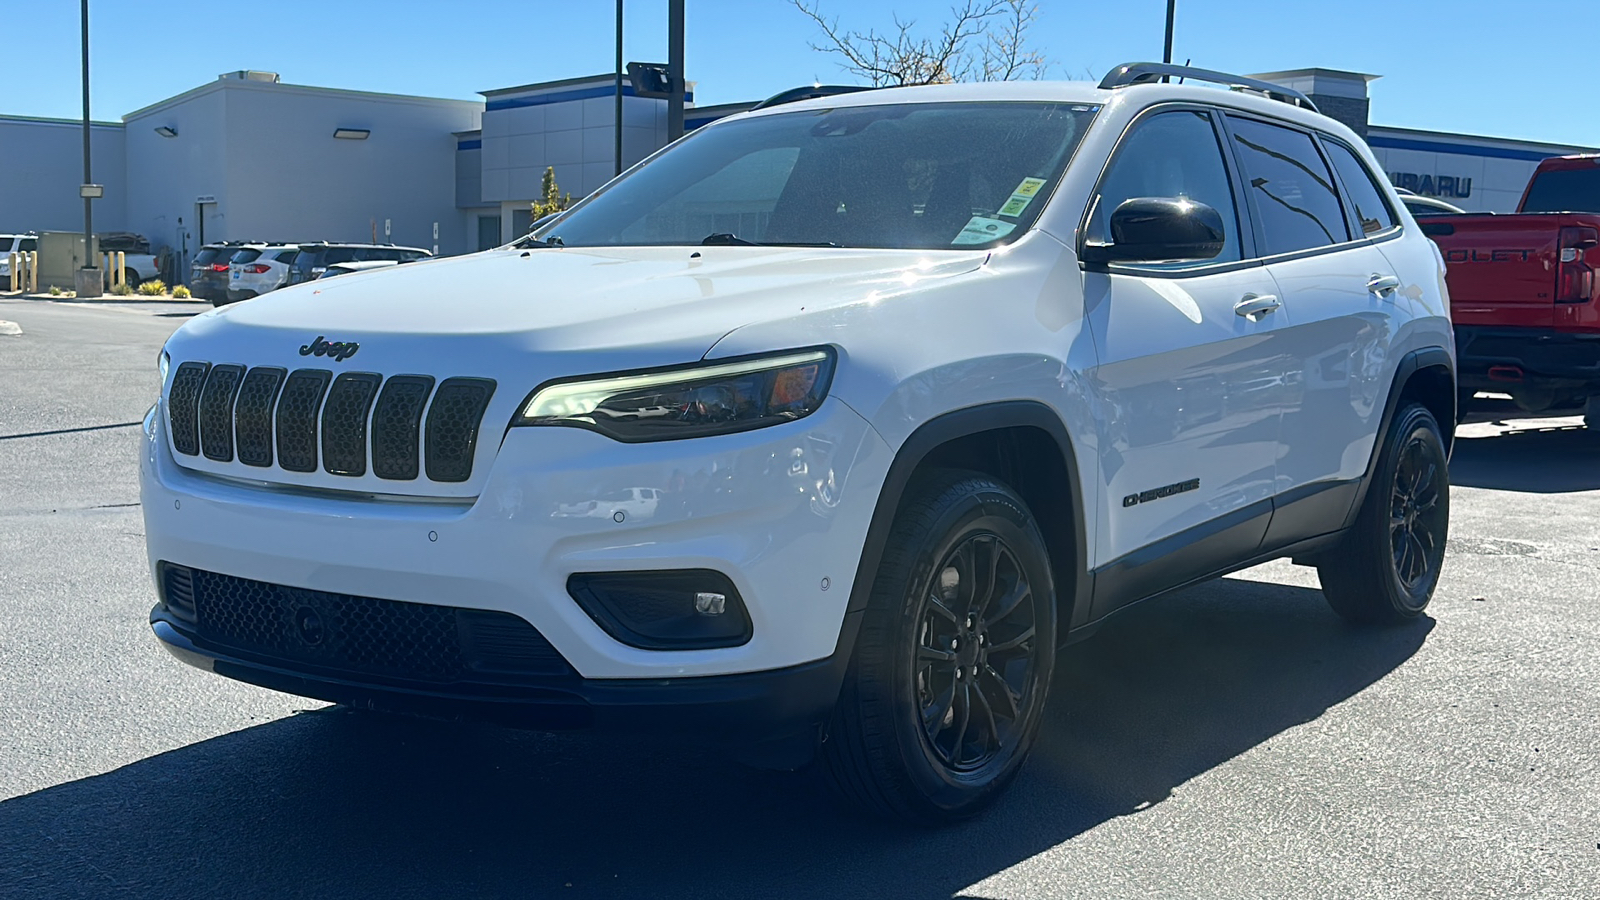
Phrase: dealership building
(248, 157)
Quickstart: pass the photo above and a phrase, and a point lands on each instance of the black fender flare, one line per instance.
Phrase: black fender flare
(1410, 364)
(951, 426)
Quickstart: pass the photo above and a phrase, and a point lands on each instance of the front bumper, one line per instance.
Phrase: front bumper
(770, 718)
(781, 511)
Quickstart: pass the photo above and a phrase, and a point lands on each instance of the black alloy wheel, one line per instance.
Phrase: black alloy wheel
(1385, 569)
(952, 664)
(974, 662)
(1417, 519)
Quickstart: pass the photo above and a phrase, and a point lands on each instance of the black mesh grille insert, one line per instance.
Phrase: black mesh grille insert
(344, 423)
(183, 404)
(216, 412)
(396, 430)
(252, 416)
(297, 418)
(453, 421)
(363, 635)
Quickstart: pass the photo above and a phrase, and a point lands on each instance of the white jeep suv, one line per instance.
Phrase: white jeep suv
(921, 383)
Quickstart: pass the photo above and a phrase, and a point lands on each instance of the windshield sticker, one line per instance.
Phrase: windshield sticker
(1021, 197)
(981, 230)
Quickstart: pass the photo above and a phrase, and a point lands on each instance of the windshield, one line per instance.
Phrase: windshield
(1564, 190)
(915, 175)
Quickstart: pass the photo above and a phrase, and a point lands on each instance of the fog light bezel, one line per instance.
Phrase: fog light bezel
(594, 592)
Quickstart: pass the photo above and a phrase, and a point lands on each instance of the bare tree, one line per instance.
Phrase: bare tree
(984, 40)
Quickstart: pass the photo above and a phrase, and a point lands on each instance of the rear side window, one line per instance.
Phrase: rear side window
(1171, 154)
(1564, 190)
(335, 255)
(1360, 189)
(286, 256)
(245, 256)
(28, 245)
(1289, 186)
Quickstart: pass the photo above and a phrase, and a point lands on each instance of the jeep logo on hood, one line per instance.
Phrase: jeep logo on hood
(339, 351)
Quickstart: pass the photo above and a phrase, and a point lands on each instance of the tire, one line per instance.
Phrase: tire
(1385, 569)
(131, 278)
(911, 739)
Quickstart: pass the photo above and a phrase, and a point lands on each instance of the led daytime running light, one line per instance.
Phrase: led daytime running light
(581, 398)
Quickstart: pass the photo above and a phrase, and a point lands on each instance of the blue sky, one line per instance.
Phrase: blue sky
(1470, 66)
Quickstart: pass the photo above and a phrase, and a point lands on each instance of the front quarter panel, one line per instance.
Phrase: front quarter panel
(925, 343)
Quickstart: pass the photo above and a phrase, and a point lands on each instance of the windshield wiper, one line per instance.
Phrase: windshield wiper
(529, 240)
(729, 239)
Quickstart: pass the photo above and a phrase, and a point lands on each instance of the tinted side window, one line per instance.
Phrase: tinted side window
(28, 245)
(246, 256)
(1290, 187)
(286, 256)
(1360, 189)
(1172, 154)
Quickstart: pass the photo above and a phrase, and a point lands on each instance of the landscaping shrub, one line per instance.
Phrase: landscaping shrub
(153, 288)
(180, 293)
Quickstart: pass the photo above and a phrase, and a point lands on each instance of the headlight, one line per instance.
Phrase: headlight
(163, 362)
(716, 398)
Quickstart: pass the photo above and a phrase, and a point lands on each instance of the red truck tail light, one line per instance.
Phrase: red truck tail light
(219, 267)
(1574, 276)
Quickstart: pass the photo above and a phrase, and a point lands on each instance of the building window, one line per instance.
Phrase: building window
(488, 232)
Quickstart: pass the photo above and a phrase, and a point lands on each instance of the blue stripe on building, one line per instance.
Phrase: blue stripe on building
(473, 144)
(564, 96)
(1440, 147)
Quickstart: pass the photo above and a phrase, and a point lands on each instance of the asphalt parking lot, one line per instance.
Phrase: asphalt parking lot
(1233, 740)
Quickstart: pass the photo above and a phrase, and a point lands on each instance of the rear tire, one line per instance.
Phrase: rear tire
(1385, 569)
(131, 278)
(947, 685)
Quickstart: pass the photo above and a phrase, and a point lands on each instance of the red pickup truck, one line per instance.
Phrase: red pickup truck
(1523, 293)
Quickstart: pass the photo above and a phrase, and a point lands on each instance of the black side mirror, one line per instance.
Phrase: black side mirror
(1160, 229)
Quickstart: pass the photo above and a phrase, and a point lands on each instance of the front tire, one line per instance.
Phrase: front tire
(947, 685)
(1385, 570)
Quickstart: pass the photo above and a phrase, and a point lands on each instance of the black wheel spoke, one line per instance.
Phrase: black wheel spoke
(988, 713)
(933, 717)
(1005, 690)
(1023, 637)
(1018, 593)
(963, 718)
(936, 606)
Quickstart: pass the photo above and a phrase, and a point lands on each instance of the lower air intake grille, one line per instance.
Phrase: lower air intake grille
(359, 635)
(183, 405)
(453, 426)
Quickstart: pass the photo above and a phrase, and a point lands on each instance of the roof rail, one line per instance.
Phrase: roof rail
(1145, 73)
(810, 92)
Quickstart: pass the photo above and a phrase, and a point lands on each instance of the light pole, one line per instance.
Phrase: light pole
(675, 69)
(1172, 13)
(87, 281)
(617, 149)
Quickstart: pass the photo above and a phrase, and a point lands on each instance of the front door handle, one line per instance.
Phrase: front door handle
(1383, 284)
(1255, 306)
